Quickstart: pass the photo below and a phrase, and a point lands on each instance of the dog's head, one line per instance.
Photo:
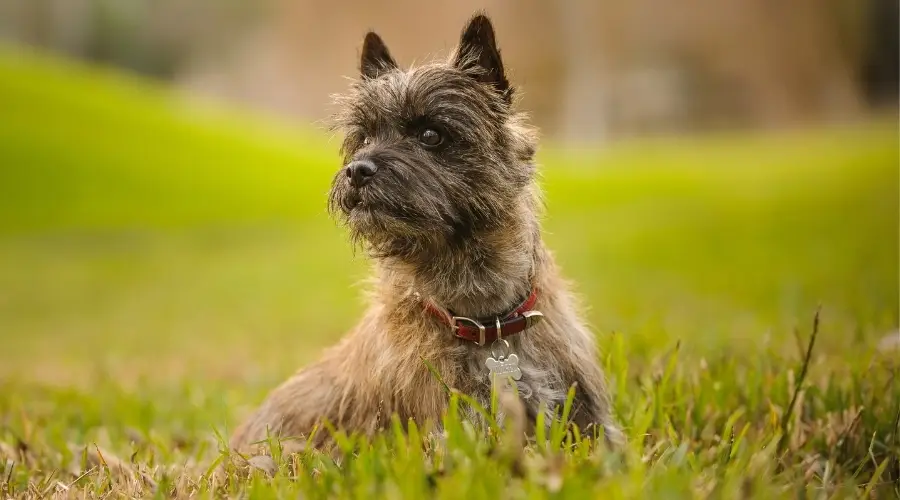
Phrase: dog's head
(433, 154)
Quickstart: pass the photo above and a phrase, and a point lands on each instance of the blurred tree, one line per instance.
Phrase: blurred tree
(879, 69)
(153, 37)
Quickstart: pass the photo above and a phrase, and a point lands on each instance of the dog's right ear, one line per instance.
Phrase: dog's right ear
(478, 54)
(375, 58)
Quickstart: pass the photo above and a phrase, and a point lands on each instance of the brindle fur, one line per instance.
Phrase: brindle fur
(457, 224)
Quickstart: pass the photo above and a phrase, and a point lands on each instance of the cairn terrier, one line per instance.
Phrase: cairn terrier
(437, 185)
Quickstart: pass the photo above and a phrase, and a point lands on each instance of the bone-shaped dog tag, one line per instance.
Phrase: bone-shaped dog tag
(504, 367)
(502, 363)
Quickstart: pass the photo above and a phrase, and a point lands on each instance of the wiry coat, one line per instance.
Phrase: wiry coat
(455, 223)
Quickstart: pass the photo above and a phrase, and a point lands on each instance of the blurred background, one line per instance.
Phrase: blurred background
(591, 70)
(714, 170)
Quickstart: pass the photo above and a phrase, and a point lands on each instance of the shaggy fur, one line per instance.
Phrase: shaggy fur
(456, 223)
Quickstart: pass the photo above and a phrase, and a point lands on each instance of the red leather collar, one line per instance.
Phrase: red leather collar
(481, 332)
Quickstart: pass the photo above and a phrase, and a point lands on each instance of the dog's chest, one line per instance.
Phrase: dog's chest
(539, 387)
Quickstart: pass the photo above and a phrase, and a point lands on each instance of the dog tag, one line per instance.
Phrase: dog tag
(504, 363)
(505, 367)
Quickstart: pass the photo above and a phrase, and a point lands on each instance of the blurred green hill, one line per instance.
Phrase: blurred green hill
(132, 219)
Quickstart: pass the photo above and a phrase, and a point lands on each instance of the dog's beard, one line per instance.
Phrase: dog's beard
(397, 215)
(386, 217)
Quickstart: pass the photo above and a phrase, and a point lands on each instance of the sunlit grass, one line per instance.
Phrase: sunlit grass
(162, 266)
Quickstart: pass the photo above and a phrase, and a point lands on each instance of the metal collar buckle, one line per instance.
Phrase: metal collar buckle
(455, 327)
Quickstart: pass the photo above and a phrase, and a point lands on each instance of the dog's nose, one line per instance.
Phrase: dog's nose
(360, 172)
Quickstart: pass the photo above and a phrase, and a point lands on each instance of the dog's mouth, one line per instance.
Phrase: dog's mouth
(351, 200)
(385, 215)
(360, 207)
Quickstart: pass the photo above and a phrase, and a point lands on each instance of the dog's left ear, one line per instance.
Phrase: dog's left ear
(478, 55)
(375, 58)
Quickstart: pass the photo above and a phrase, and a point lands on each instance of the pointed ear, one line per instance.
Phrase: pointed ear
(375, 58)
(478, 54)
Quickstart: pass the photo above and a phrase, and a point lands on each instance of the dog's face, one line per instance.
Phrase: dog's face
(434, 154)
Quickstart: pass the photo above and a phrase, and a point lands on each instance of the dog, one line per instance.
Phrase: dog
(437, 186)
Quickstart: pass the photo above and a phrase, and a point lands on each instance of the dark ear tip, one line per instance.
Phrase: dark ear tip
(375, 58)
(479, 22)
(372, 38)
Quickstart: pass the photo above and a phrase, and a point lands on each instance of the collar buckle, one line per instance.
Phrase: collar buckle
(454, 325)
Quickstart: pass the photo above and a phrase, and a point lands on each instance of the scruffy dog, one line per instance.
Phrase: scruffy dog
(437, 185)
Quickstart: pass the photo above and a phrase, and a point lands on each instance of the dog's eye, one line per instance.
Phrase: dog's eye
(367, 141)
(430, 137)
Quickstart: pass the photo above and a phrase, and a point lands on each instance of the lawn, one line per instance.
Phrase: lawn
(165, 262)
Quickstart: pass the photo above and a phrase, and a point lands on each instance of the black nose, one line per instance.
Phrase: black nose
(360, 172)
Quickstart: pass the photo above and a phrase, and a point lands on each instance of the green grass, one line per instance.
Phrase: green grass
(163, 265)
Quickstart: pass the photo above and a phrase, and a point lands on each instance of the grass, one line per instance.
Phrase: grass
(163, 264)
